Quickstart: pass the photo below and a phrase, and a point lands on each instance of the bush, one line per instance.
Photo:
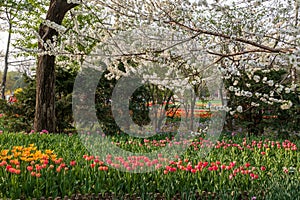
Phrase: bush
(256, 103)
(19, 116)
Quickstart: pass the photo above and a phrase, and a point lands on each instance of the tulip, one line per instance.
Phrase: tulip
(8, 167)
(247, 165)
(30, 168)
(58, 169)
(73, 163)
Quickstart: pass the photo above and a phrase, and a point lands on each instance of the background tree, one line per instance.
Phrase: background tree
(240, 36)
(8, 10)
(14, 81)
(16, 15)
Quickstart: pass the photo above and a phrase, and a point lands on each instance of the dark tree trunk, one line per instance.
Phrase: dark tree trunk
(45, 72)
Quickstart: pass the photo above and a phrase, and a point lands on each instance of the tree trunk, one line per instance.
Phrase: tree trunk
(193, 104)
(293, 69)
(45, 72)
(3, 84)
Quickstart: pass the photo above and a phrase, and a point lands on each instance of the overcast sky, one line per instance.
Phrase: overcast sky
(3, 43)
(3, 38)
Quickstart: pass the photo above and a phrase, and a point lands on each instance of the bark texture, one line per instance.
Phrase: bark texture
(45, 72)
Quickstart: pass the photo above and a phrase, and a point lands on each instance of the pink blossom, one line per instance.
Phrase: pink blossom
(44, 132)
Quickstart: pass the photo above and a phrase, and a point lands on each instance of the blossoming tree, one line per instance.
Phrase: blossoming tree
(239, 38)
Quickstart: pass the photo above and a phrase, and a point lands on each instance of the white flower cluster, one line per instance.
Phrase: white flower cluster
(74, 1)
(239, 92)
(239, 109)
(257, 97)
(50, 47)
(55, 26)
(286, 105)
(255, 104)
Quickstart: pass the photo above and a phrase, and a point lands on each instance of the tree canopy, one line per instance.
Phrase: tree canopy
(236, 38)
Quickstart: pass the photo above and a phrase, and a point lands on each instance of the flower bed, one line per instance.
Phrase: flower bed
(46, 165)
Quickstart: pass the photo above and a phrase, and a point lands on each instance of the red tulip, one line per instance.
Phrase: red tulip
(73, 163)
(263, 168)
(92, 165)
(8, 167)
(30, 168)
(247, 165)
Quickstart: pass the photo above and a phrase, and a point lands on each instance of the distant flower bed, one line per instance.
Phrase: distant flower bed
(182, 113)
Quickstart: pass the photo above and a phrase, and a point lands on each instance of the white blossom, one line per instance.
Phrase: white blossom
(257, 94)
(235, 82)
(293, 87)
(255, 104)
(55, 26)
(248, 94)
(286, 105)
(270, 83)
(256, 78)
(264, 79)
(287, 90)
(239, 109)
(238, 93)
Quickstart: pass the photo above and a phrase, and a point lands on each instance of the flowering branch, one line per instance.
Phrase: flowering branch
(243, 40)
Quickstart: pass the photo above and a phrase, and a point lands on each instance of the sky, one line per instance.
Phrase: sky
(3, 37)
(3, 42)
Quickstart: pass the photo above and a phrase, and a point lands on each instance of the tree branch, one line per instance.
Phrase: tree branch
(252, 43)
(239, 53)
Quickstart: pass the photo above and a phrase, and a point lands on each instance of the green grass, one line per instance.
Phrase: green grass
(273, 183)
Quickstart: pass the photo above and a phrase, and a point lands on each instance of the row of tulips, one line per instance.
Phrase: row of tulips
(200, 142)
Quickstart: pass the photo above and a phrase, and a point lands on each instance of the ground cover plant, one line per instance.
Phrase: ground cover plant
(42, 164)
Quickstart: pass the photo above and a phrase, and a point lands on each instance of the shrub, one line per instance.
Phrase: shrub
(265, 98)
(19, 116)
